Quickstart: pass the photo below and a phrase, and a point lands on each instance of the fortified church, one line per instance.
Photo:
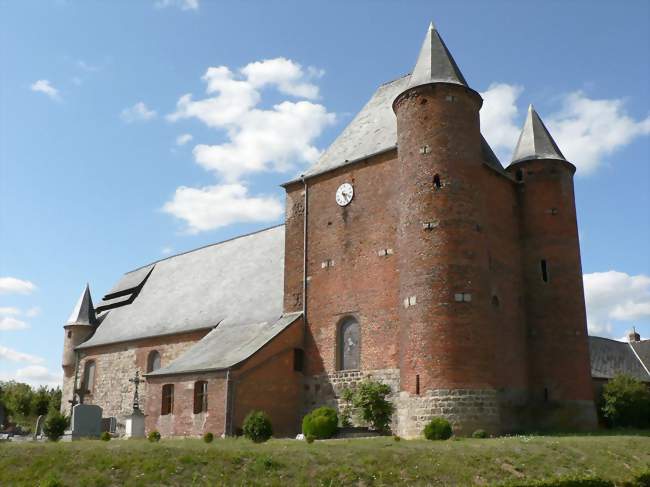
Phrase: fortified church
(408, 254)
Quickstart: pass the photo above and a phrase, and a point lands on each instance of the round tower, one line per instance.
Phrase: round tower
(78, 329)
(560, 372)
(446, 344)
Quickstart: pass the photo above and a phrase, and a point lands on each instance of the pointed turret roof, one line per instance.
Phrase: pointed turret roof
(435, 63)
(535, 141)
(84, 312)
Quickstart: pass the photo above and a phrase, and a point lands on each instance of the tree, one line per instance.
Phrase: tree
(626, 402)
(17, 398)
(40, 403)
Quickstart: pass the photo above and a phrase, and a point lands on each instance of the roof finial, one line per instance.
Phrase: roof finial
(535, 141)
(435, 63)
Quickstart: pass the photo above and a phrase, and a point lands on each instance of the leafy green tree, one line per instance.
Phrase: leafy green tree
(17, 398)
(626, 402)
(40, 403)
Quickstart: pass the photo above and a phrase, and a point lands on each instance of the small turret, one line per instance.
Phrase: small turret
(80, 325)
(560, 375)
(633, 336)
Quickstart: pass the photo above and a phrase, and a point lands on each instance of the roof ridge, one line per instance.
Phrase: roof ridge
(205, 247)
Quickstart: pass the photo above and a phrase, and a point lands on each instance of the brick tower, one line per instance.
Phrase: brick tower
(446, 339)
(560, 380)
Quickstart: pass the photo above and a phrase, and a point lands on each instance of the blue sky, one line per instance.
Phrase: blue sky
(106, 165)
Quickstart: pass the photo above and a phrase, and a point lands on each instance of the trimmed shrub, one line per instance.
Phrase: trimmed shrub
(208, 437)
(480, 434)
(396, 438)
(55, 425)
(626, 402)
(320, 423)
(310, 438)
(370, 399)
(438, 429)
(257, 427)
(153, 436)
(105, 436)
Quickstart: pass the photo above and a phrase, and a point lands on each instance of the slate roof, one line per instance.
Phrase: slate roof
(227, 345)
(435, 63)
(236, 282)
(84, 311)
(535, 141)
(611, 357)
(374, 131)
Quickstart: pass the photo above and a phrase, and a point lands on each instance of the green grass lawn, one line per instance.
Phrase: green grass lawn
(377, 461)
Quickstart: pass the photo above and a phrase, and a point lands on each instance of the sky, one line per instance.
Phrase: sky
(133, 130)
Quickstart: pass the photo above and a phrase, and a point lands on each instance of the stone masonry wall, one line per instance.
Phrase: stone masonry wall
(466, 409)
(116, 364)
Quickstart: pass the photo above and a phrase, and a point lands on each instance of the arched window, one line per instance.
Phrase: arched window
(436, 181)
(200, 397)
(89, 376)
(153, 361)
(167, 399)
(349, 344)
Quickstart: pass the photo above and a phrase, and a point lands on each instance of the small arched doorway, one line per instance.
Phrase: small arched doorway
(349, 344)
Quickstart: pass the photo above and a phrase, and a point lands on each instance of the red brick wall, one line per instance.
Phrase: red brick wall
(556, 317)
(448, 344)
(360, 283)
(182, 421)
(267, 382)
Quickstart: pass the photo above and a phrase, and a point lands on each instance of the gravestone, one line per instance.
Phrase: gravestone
(38, 429)
(86, 421)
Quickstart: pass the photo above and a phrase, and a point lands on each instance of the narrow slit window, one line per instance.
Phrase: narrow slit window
(544, 268)
(417, 384)
(298, 359)
(519, 175)
(436, 181)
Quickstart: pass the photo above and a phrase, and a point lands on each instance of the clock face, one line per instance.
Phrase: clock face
(344, 194)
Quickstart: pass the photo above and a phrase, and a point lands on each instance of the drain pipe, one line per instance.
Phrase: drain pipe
(304, 252)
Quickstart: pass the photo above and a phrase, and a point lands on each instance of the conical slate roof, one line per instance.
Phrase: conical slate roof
(84, 312)
(535, 141)
(435, 63)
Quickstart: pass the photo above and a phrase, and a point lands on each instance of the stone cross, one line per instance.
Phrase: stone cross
(136, 400)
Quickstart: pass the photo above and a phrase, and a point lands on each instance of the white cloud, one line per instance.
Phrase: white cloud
(87, 67)
(259, 140)
(38, 375)
(183, 139)
(499, 114)
(15, 356)
(615, 296)
(586, 130)
(182, 4)
(166, 250)
(289, 77)
(137, 113)
(589, 130)
(45, 87)
(221, 205)
(8, 323)
(12, 285)
(9, 311)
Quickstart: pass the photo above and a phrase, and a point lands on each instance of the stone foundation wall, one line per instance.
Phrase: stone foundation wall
(466, 409)
(325, 389)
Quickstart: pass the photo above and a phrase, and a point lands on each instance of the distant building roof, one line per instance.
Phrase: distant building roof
(611, 357)
(236, 282)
